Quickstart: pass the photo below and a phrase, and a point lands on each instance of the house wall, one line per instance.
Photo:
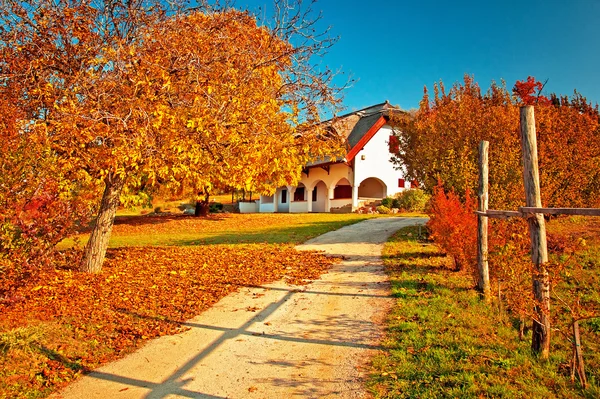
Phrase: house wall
(299, 207)
(281, 206)
(249, 207)
(336, 173)
(377, 164)
(266, 204)
(319, 204)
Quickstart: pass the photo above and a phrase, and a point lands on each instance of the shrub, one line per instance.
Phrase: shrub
(414, 200)
(383, 209)
(216, 207)
(387, 202)
(453, 226)
(40, 204)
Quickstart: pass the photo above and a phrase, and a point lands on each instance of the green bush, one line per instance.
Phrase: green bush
(387, 202)
(215, 207)
(413, 200)
(383, 209)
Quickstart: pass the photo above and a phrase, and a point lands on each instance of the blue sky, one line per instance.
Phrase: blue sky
(394, 48)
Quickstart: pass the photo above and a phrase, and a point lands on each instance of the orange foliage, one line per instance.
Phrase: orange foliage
(440, 141)
(38, 206)
(453, 226)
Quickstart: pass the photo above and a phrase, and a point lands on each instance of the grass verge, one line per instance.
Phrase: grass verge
(232, 228)
(443, 342)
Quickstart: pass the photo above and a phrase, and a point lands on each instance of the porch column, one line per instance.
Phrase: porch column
(291, 190)
(276, 200)
(329, 198)
(309, 199)
(354, 197)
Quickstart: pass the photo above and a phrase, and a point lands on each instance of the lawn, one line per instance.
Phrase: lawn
(443, 341)
(160, 271)
(221, 228)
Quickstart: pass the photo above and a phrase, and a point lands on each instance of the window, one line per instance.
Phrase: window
(401, 183)
(314, 194)
(284, 196)
(299, 194)
(342, 192)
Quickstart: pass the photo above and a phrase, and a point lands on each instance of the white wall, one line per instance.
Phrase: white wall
(249, 207)
(377, 162)
(299, 207)
(336, 173)
(319, 204)
(266, 204)
(283, 207)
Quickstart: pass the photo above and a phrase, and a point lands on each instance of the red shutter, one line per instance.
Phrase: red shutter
(401, 183)
(394, 144)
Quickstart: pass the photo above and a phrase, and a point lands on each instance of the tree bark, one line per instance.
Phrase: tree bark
(95, 249)
(540, 339)
(202, 206)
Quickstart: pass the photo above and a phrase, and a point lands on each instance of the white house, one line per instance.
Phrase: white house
(365, 174)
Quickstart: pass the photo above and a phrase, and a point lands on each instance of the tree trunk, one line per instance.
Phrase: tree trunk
(95, 249)
(202, 206)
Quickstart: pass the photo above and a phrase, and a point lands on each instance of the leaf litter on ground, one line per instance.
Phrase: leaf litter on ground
(62, 322)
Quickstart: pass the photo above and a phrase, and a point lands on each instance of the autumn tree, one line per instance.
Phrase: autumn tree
(130, 93)
(439, 141)
(248, 127)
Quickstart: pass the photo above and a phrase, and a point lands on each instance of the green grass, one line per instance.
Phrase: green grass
(180, 230)
(443, 342)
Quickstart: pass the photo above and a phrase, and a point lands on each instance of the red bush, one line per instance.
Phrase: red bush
(39, 206)
(453, 226)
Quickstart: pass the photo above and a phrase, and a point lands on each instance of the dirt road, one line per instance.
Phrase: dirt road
(273, 341)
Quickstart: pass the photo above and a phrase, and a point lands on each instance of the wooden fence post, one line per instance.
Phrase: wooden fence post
(482, 223)
(540, 340)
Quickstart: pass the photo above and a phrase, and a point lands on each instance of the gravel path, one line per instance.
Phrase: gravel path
(273, 341)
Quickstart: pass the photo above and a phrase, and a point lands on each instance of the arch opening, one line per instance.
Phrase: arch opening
(372, 187)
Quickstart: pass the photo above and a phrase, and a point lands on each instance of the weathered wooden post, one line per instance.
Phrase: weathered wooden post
(482, 223)
(578, 357)
(540, 340)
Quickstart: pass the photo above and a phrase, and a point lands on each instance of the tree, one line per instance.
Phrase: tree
(243, 125)
(130, 93)
(439, 141)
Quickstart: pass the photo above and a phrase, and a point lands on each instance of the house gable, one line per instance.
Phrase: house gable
(362, 137)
